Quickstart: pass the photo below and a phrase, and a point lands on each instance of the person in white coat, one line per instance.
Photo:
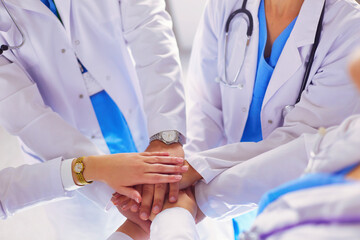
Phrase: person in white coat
(72, 51)
(326, 207)
(119, 171)
(243, 85)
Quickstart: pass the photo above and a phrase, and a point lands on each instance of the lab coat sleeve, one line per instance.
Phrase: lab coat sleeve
(328, 100)
(239, 188)
(148, 32)
(205, 121)
(29, 185)
(174, 224)
(119, 236)
(24, 114)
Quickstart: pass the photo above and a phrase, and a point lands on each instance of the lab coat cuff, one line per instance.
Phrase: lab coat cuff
(119, 236)
(168, 222)
(201, 166)
(66, 175)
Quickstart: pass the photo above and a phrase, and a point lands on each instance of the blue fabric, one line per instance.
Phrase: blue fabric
(265, 69)
(113, 125)
(305, 182)
(51, 5)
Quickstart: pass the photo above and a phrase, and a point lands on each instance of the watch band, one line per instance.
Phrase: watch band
(78, 169)
(178, 139)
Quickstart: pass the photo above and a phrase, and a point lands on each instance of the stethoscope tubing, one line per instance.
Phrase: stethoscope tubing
(7, 47)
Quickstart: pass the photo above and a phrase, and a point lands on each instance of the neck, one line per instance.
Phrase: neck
(283, 7)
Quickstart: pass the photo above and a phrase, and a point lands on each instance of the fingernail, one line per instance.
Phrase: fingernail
(137, 200)
(172, 199)
(143, 216)
(156, 209)
(177, 177)
(179, 160)
(134, 208)
(184, 168)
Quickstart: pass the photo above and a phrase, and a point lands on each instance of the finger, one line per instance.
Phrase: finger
(174, 192)
(130, 193)
(159, 197)
(119, 199)
(147, 199)
(154, 178)
(161, 168)
(134, 206)
(165, 160)
(155, 154)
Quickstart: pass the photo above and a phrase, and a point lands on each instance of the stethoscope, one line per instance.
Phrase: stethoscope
(250, 27)
(5, 47)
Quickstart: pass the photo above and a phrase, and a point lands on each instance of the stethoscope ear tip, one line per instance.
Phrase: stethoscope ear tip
(4, 47)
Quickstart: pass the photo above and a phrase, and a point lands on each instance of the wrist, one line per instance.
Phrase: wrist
(91, 168)
(89, 172)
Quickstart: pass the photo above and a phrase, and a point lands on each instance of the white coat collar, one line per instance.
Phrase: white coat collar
(303, 34)
(37, 6)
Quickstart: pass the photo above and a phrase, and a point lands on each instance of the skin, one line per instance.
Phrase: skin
(354, 70)
(153, 195)
(279, 14)
(121, 171)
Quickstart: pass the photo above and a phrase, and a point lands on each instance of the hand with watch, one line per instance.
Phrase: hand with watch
(170, 141)
(124, 170)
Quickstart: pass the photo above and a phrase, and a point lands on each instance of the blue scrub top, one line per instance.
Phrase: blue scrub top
(265, 69)
(112, 122)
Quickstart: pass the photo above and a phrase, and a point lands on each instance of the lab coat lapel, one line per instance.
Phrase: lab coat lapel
(64, 9)
(35, 6)
(302, 35)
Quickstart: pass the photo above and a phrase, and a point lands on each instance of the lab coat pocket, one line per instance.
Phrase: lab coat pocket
(236, 48)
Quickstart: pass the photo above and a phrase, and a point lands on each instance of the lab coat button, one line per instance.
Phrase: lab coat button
(77, 42)
(270, 121)
(244, 109)
(81, 96)
(63, 50)
(241, 86)
(92, 136)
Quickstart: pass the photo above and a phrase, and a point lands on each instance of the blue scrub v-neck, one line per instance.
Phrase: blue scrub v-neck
(265, 69)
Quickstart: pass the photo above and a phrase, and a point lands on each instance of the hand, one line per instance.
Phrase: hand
(134, 217)
(133, 230)
(186, 200)
(354, 68)
(127, 169)
(154, 196)
(190, 177)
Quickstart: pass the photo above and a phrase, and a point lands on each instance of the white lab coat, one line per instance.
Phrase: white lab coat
(222, 112)
(217, 114)
(338, 149)
(43, 98)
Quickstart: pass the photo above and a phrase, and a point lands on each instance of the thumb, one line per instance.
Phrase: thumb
(130, 193)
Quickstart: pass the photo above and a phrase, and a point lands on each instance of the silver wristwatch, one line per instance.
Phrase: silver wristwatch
(169, 137)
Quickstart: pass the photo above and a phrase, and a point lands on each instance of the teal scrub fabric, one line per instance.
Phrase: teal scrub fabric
(265, 69)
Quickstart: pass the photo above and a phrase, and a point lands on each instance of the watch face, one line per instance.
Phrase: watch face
(78, 167)
(169, 136)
